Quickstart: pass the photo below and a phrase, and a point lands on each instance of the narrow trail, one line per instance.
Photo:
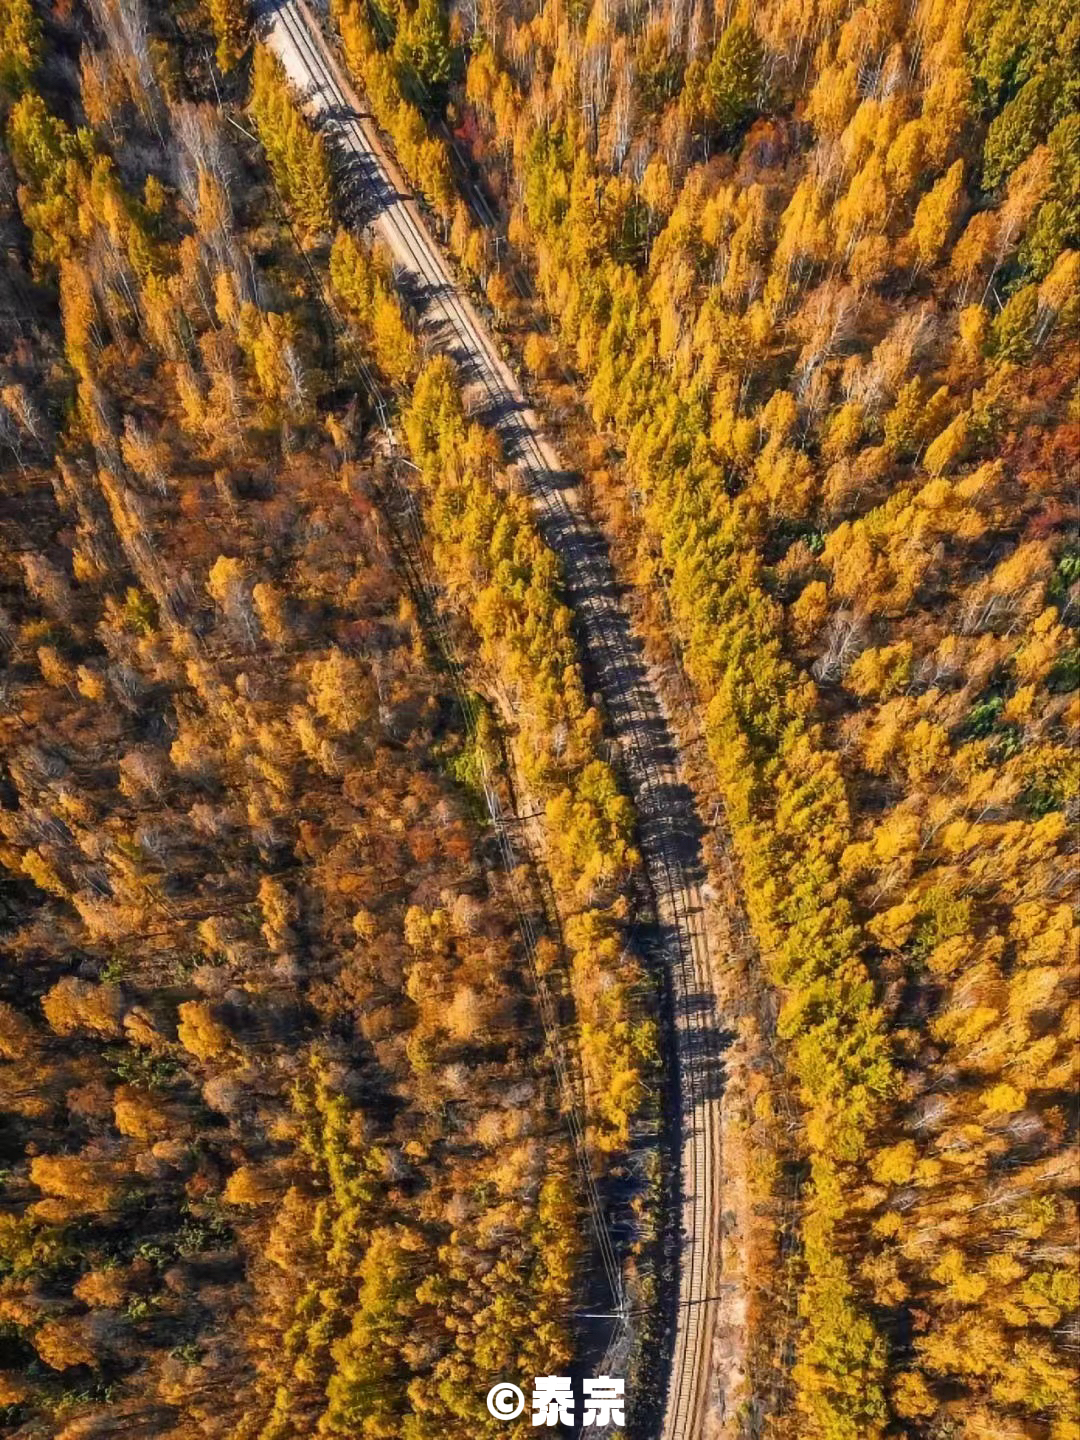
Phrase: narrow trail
(667, 819)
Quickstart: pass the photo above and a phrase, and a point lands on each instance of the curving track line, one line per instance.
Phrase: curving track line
(666, 816)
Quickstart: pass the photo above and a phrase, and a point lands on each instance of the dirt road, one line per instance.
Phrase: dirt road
(668, 825)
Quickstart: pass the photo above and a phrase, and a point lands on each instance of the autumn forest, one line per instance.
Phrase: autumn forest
(539, 586)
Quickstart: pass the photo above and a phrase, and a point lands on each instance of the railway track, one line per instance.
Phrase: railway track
(667, 819)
